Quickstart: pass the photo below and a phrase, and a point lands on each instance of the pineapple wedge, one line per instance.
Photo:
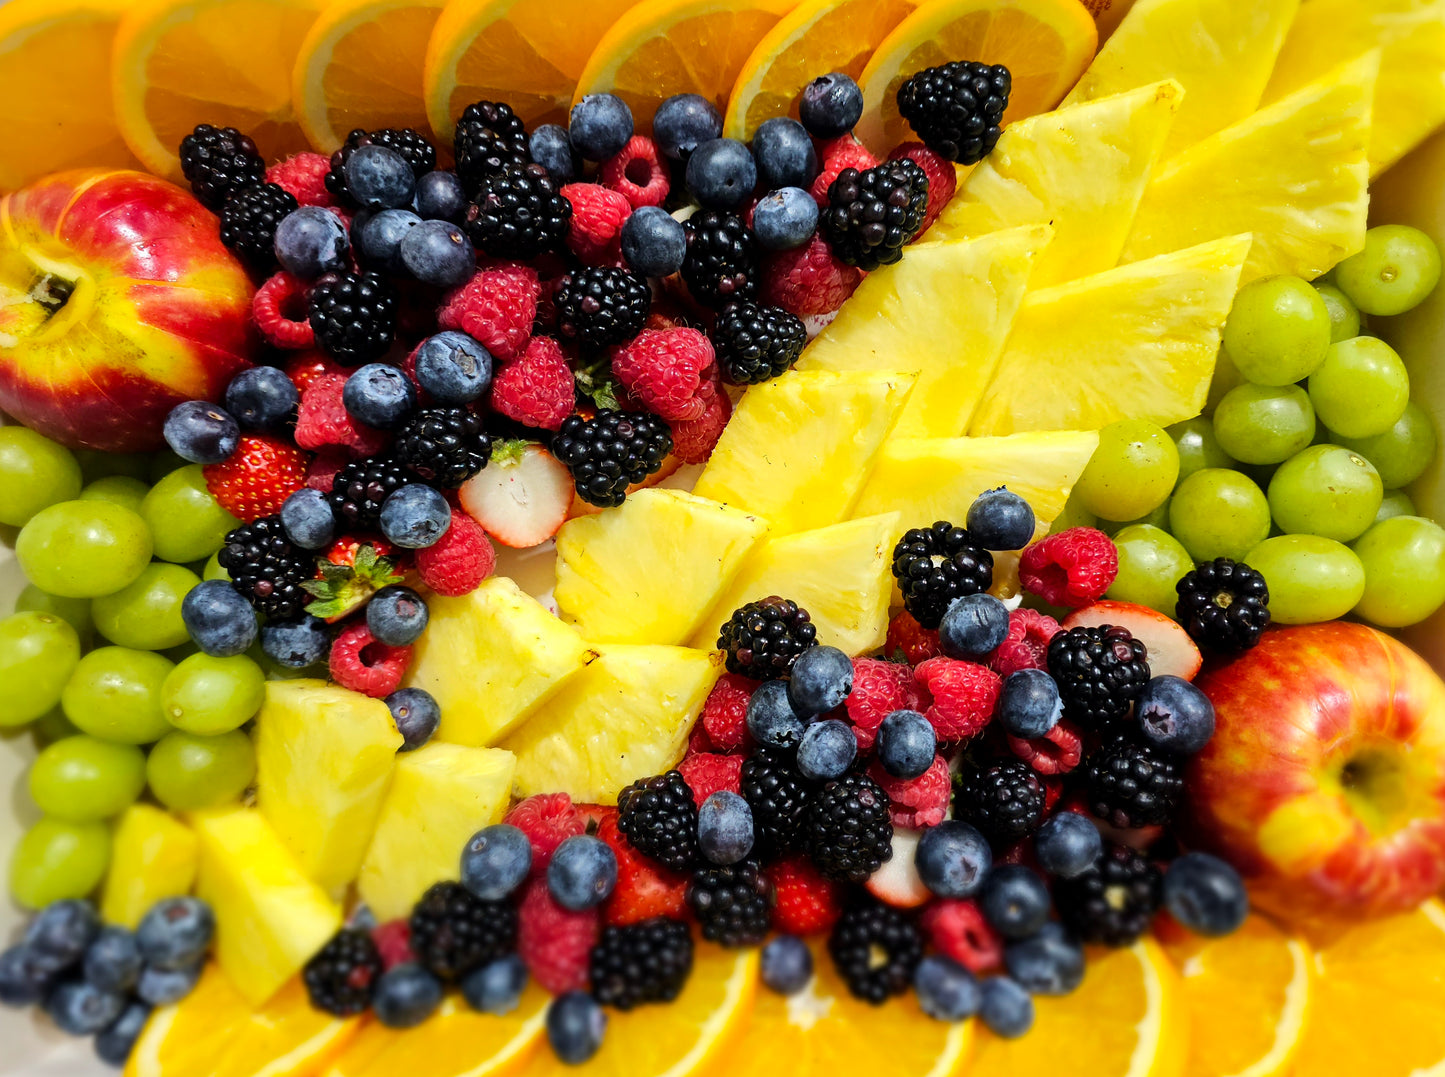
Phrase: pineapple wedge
(270, 918)
(626, 716)
(324, 757)
(153, 856)
(943, 311)
(842, 575)
(1081, 169)
(798, 448)
(490, 658)
(1220, 51)
(1137, 342)
(648, 571)
(441, 794)
(1294, 174)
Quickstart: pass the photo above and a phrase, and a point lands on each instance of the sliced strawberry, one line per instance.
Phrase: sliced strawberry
(1170, 648)
(522, 497)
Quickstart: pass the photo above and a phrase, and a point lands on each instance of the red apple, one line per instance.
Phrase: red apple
(117, 302)
(1325, 781)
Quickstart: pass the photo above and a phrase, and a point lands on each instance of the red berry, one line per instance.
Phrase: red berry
(304, 176)
(725, 714)
(1073, 568)
(595, 235)
(323, 469)
(879, 689)
(637, 173)
(257, 478)
(693, 440)
(910, 639)
(667, 370)
(917, 802)
(537, 388)
(1027, 644)
(807, 903)
(963, 693)
(323, 423)
(707, 773)
(393, 942)
(460, 560)
(958, 930)
(548, 820)
(554, 942)
(279, 311)
(363, 664)
(836, 154)
(942, 179)
(1057, 752)
(644, 889)
(497, 307)
(306, 367)
(809, 280)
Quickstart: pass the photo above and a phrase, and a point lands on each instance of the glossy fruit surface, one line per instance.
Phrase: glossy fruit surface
(1278, 331)
(1218, 513)
(35, 473)
(1261, 424)
(38, 653)
(83, 549)
(1131, 472)
(1326, 490)
(83, 780)
(115, 694)
(1361, 389)
(1310, 578)
(55, 860)
(1404, 560)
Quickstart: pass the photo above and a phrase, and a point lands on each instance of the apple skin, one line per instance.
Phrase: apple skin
(158, 311)
(1325, 781)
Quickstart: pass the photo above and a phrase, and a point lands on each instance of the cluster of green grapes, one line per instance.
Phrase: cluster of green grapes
(96, 657)
(1300, 471)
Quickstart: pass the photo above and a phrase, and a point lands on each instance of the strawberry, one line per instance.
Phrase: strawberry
(257, 478)
(1171, 650)
(522, 497)
(644, 889)
(347, 577)
(807, 903)
(910, 640)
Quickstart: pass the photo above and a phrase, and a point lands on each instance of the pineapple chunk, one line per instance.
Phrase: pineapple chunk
(1136, 342)
(324, 756)
(798, 448)
(1294, 174)
(441, 794)
(944, 311)
(649, 571)
(153, 856)
(842, 575)
(1220, 51)
(1082, 169)
(270, 918)
(624, 717)
(490, 658)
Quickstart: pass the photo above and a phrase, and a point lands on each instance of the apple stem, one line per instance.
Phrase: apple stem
(52, 292)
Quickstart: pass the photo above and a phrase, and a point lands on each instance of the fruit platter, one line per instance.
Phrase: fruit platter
(700, 538)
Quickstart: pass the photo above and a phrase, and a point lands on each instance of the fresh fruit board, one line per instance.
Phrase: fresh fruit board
(651, 538)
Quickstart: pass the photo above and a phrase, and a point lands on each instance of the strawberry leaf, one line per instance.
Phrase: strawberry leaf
(595, 381)
(341, 590)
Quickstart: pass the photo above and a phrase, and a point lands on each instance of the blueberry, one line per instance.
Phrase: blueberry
(1005, 1007)
(552, 149)
(296, 644)
(176, 932)
(379, 395)
(827, 750)
(496, 861)
(21, 983)
(113, 1045)
(953, 859)
(415, 516)
(262, 398)
(161, 987)
(1049, 962)
(1029, 704)
(821, 679)
(416, 714)
(784, 154)
(946, 990)
(973, 626)
(307, 519)
(377, 237)
(599, 126)
(907, 744)
(785, 219)
(771, 719)
(497, 986)
(684, 122)
(201, 432)
(406, 995)
(311, 241)
(1175, 715)
(219, 620)
(1000, 520)
(379, 177)
(453, 367)
(1068, 845)
(113, 961)
(653, 242)
(1205, 894)
(830, 105)
(396, 616)
(1015, 901)
(582, 872)
(60, 934)
(440, 197)
(575, 1026)
(725, 827)
(438, 253)
(787, 965)
(82, 1009)
(721, 174)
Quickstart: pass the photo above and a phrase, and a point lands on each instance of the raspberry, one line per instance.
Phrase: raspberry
(942, 179)
(839, 153)
(637, 173)
(644, 890)
(707, 773)
(1073, 568)
(698, 742)
(460, 560)
(537, 388)
(909, 639)
(279, 310)
(322, 421)
(361, 663)
(725, 714)
(497, 307)
(393, 942)
(666, 370)
(595, 234)
(963, 693)
(879, 689)
(958, 930)
(548, 820)
(304, 175)
(917, 802)
(808, 280)
(306, 367)
(693, 440)
(1057, 752)
(1027, 644)
(554, 942)
(322, 471)
(257, 478)
(807, 902)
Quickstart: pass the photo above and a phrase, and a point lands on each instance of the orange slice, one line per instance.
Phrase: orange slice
(178, 63)
(360, 66)
(214, 1031)
(666, 47)
(1046, 44)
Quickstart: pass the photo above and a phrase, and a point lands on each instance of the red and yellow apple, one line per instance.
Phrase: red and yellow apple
(117, 302)
(1325, 781)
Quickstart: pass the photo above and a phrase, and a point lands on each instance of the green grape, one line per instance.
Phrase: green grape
(162, 464)
(1264, 424)
(187, 772)
(146, 614)
(1397, 270)
(115, 694)
(1158, 518)
(1074, 515)
(51, 727)
(83, 780)
(35, 473)
(1131, 472)
(209, 695)
(1395, 503)
(1151, 562)
(1402, 453)
(38, 654)
(1362, 388)
(102, 465)
(1404, 561)
(74, 610)
(56, 860)
(189, 524)
(1198, 447)
(1218, 513)
(121, 489)
(83, 549)
(1278, 331)
(1344, 315)
(1327, 491)
(213, 569)
(1310, 578)
(1226, 377)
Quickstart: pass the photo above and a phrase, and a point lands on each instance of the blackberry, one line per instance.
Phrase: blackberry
(353, 316)
(734, 904)
(610, 451)
(849, 833)
(872, 215)
(1223, 605)
(659, 817)
(341, 977)
(444, 446)
(358, 490)
(1132, 784)
(217, 161)
(778, 797)
(876, 949)
(601, 305)
(490, 141)
(645, 962)
(935, 565)
(721, 265)
(249, 219)
(267, 569)
(454, 932)
(520, 214)
(1100, 672)
(416, 148)
(1113, 901)
(755, 343)
(1004, 800)
(957, 108)
(764, 638)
